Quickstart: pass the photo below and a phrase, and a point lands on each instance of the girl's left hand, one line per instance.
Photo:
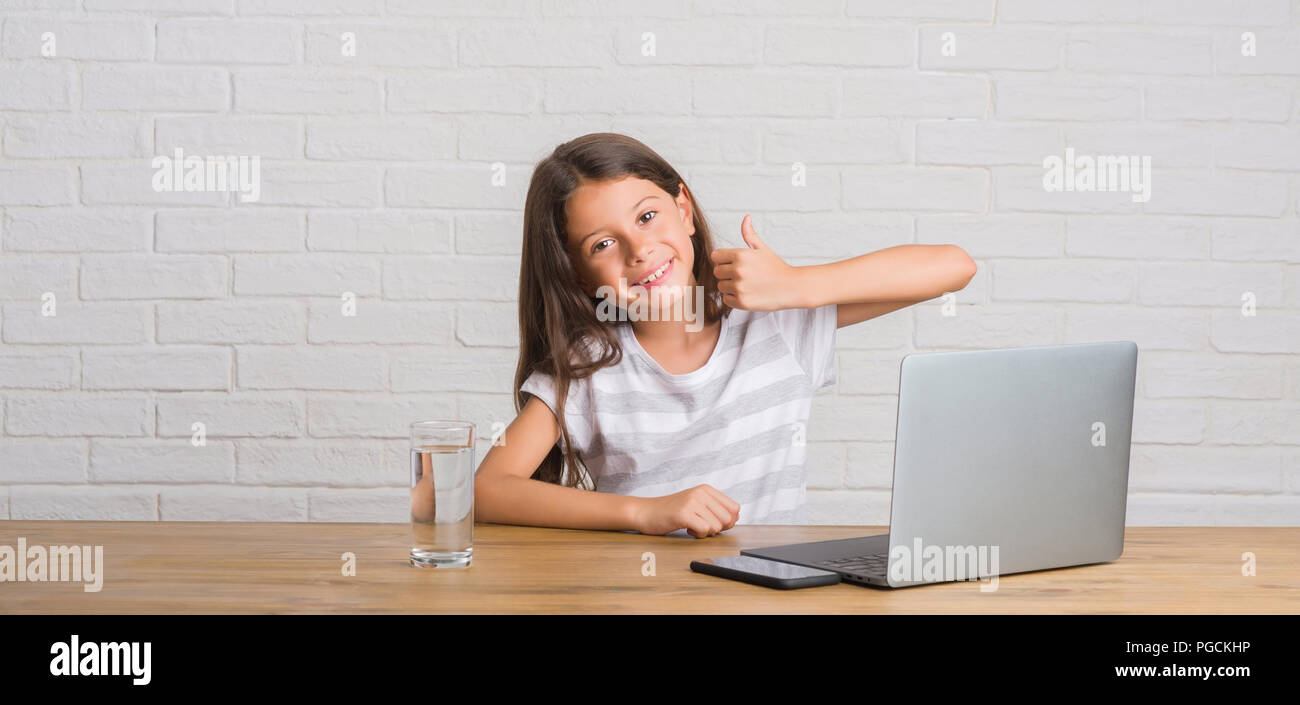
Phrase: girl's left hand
(754, 279)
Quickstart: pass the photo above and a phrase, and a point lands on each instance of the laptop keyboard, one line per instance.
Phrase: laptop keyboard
(871, 563)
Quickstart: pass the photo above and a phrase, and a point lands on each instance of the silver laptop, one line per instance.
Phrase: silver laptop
(1005, 461)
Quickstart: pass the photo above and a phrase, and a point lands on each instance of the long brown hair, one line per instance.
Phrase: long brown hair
(559, 333)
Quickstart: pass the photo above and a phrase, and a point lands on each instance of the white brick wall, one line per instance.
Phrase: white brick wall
(916, 122)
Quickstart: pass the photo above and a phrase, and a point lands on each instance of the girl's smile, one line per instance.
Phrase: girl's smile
(657, 276)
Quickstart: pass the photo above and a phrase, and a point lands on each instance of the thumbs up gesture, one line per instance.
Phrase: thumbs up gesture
(754, 278)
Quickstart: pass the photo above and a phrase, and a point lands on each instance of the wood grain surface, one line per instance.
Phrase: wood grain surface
(230, 567)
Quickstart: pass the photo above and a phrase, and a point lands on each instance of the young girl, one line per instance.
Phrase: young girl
(677, 421)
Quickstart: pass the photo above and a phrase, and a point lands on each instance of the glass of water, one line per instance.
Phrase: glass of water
(442, 494)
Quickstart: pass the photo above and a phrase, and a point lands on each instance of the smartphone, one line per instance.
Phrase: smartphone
(761, 571)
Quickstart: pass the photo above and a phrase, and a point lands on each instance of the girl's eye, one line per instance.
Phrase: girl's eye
(597, 247)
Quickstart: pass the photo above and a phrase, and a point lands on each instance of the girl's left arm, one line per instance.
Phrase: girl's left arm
(757, 279)
(883, 281)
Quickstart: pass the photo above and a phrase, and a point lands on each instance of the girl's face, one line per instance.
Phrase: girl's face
(622, 231)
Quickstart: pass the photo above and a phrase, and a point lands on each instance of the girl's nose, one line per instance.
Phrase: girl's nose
(643, 253)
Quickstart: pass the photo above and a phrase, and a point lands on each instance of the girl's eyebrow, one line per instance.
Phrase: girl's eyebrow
(633, 209)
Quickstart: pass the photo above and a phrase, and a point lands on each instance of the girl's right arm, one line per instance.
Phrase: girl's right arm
(505, 493)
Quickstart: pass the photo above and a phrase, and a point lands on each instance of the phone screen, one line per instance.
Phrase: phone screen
(762, 566)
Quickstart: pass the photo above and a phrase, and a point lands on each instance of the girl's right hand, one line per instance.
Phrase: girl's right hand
(701, 510)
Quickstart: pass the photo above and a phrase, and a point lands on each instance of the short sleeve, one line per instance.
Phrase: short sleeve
(542, 386)
(810, 333)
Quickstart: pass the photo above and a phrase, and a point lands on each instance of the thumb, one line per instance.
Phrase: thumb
(751, 237)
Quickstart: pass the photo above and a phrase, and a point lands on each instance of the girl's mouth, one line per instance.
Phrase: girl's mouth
(661, 278)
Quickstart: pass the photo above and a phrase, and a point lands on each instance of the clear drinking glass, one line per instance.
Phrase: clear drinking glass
(442, 494)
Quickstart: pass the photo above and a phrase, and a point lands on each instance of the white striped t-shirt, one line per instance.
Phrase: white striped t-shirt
(739, 423)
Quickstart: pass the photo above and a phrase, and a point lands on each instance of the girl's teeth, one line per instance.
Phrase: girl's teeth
(657, 274)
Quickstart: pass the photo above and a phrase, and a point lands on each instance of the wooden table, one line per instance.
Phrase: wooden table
(227, 567)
